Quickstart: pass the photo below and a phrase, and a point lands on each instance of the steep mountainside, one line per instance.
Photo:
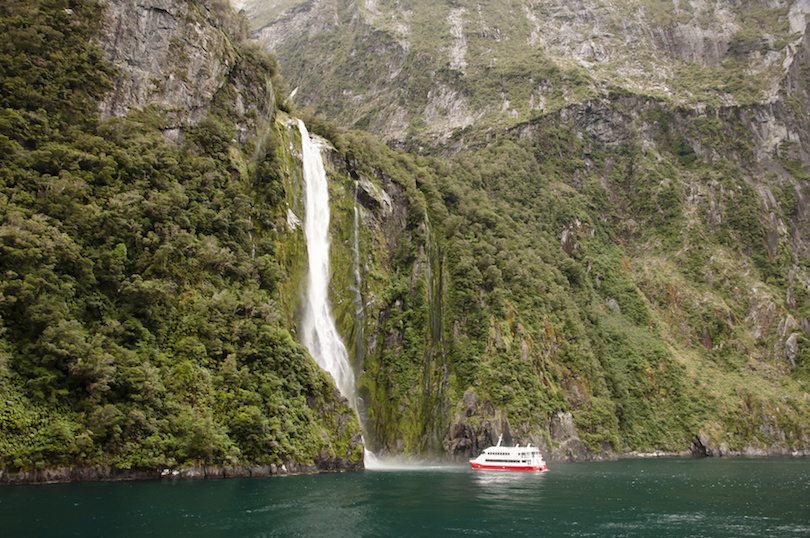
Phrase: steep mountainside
(611, 269)
(140, 179)
(620, 219)
(417, 71)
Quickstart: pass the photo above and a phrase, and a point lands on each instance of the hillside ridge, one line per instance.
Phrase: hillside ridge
(415, 70)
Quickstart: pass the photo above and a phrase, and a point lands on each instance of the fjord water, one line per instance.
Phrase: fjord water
(662, 497)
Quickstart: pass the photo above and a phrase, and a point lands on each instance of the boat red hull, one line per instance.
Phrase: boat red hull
(491, 467)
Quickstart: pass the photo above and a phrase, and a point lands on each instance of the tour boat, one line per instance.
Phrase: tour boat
(510, 458)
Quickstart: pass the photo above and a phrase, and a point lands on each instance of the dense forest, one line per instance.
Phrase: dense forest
(139, 328)
(619, 209)
(590, 279)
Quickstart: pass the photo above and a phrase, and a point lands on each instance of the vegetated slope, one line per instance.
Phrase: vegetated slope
(602, 279)
(139, 327)
(418, 71)
(621, 230)
(593, 297)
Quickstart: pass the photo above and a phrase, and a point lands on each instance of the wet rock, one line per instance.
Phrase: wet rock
(475, 427)
(470, 402)
(702, 445)
(570, 446)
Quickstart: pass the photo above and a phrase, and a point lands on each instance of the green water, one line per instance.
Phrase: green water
(668, 497)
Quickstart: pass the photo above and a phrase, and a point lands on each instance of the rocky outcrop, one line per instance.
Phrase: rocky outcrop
(169, 54)
(104, 473)
(568, 446)
(683, 43)
(477, 426)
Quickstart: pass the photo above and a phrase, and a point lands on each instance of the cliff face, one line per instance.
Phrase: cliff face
(678, 230)
(417, 72)
(166, 350)
(627, 346)
(446, 317)
(459, 331)
(169, 55)
(600, 269)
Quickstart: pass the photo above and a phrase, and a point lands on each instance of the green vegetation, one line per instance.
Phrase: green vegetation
(639, 324)
(139, 327)
(595, 260)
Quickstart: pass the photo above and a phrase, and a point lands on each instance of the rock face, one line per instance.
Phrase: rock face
(671, 50)
(173, 55)
(477, 426)
(570, 447)
(306, 18)
(170, 54)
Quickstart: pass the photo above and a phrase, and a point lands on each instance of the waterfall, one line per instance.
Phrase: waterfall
(357, 298)
(434, 284)
(318, 331)
(437, 348)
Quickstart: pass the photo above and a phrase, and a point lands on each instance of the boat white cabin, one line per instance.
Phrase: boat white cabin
(510, 458)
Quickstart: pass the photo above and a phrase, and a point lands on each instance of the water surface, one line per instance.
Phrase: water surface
(666, 497)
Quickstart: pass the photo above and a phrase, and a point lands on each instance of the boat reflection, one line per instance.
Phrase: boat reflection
(508, 486)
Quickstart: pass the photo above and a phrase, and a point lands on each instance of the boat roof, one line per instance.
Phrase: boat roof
(499, 446)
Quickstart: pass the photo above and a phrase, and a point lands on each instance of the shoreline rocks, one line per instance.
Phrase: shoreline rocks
(106, 473)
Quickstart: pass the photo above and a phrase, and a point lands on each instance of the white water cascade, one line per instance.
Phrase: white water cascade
(318, 331)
